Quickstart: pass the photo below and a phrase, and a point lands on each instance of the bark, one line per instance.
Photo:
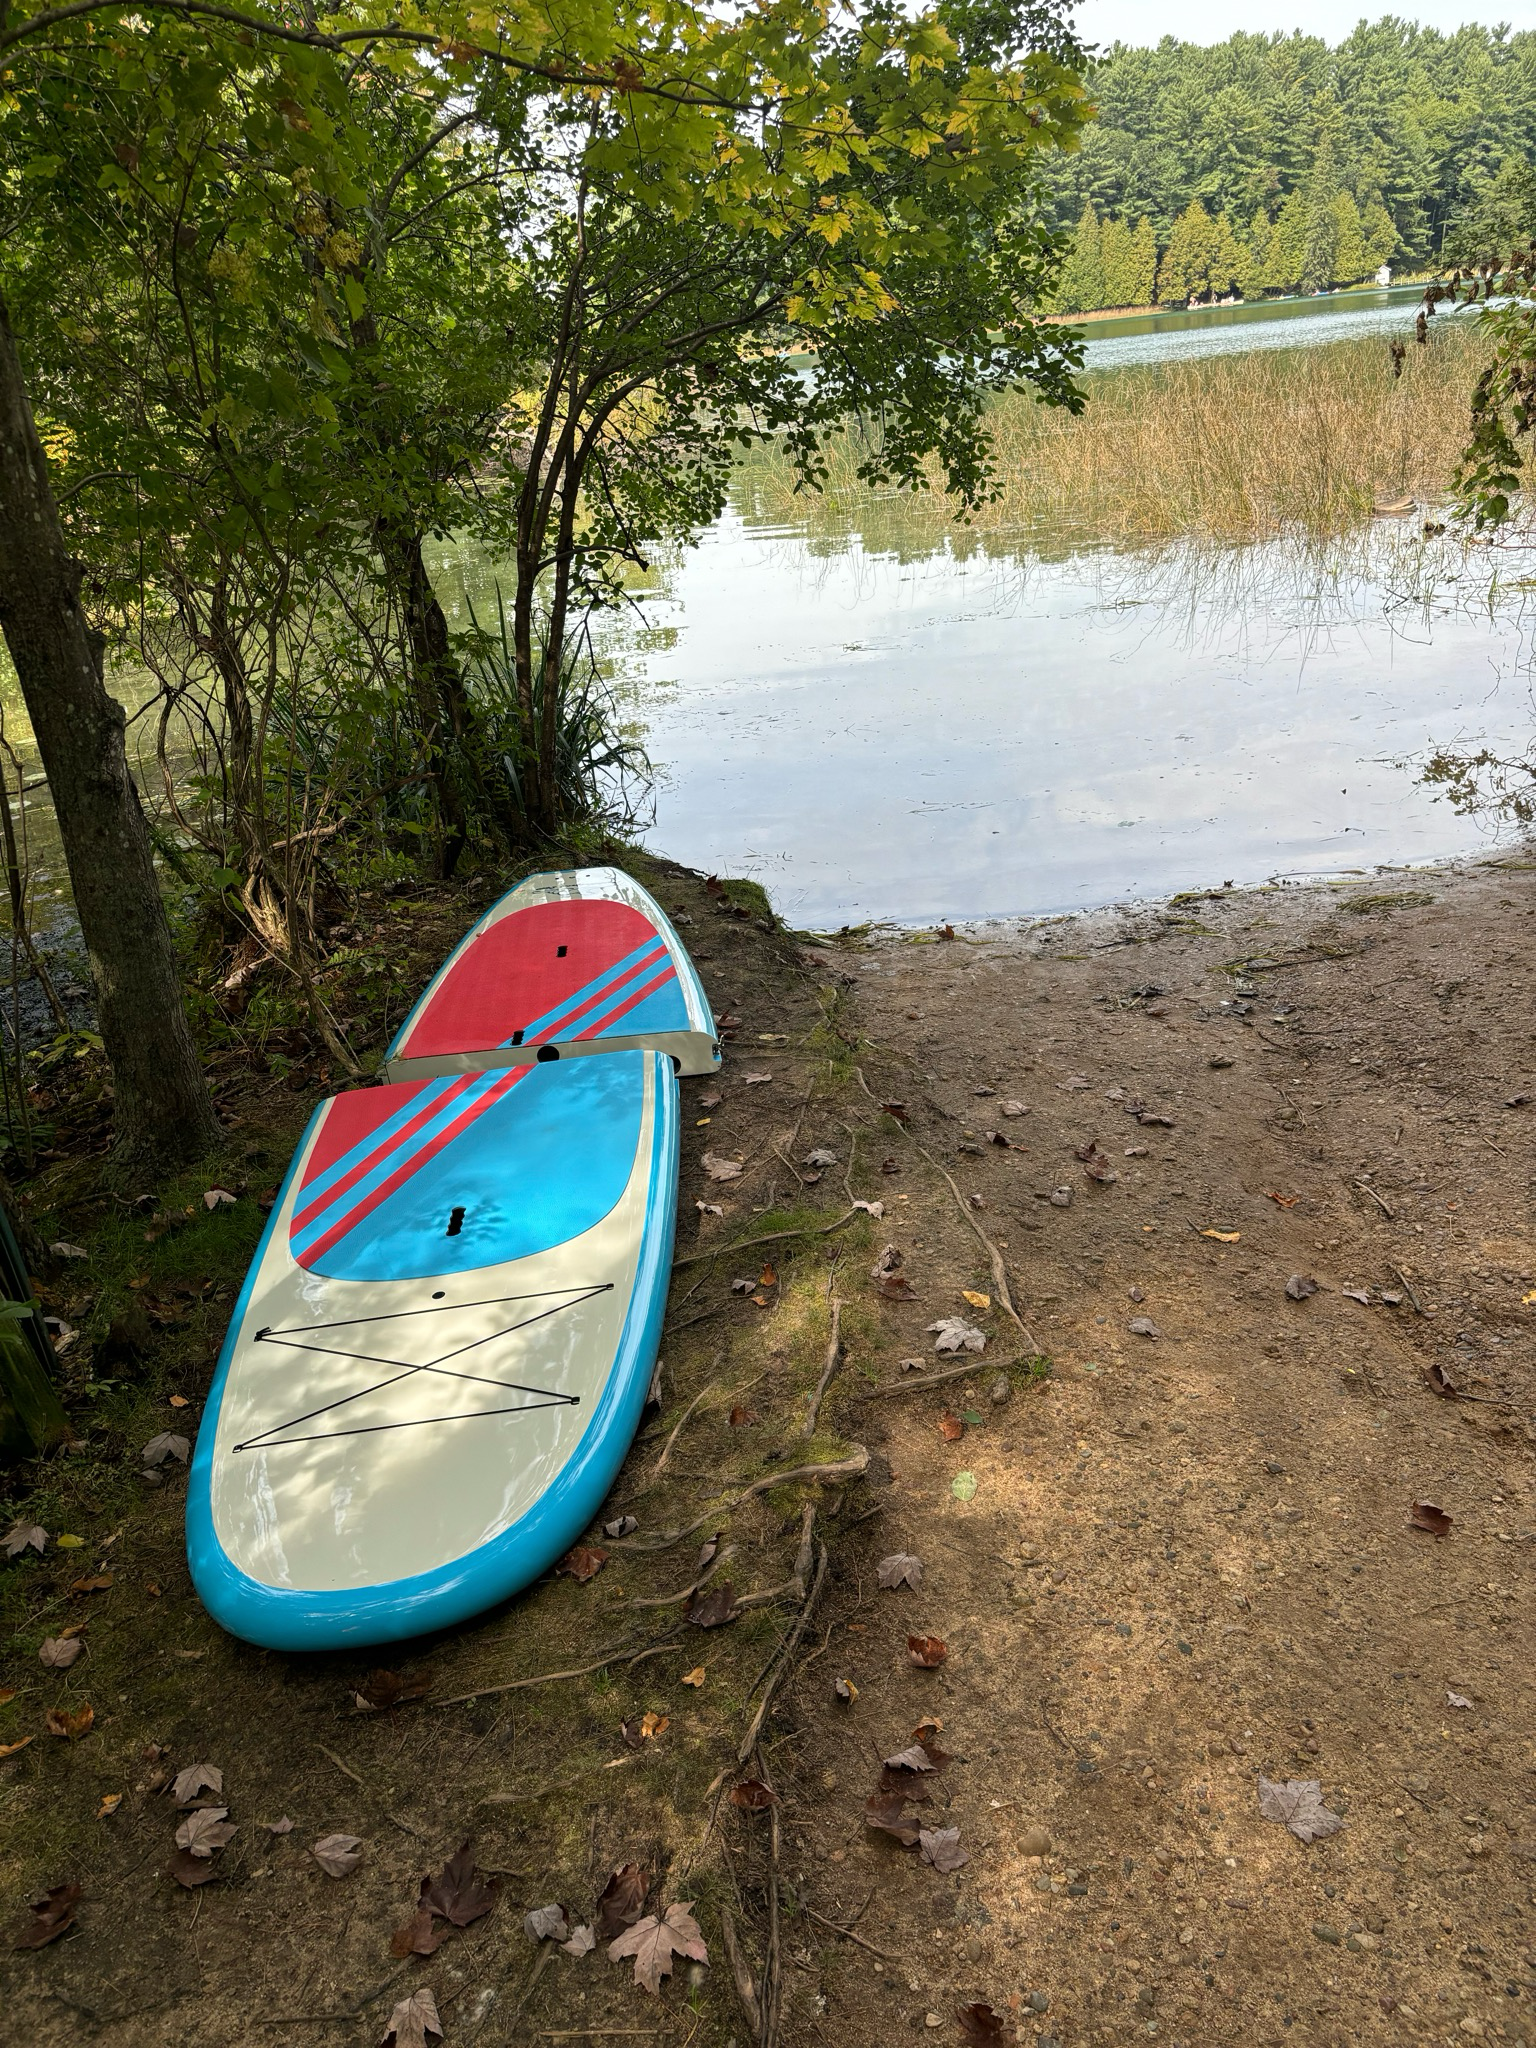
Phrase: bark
(442, 703)
(163, 1107)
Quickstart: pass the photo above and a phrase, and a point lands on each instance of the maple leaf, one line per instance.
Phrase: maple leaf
(338, 1855)
(581, 1943)
(928, 1652)
(59, 1652)
(419, 1936)
(654, 1942)
(60, 1721)
(1298, 1803)
(459, 1893)
(886, 1811)
(546, 1923)
(11, 1748)
(951, 1428)
(900, 1569)
(49, 1917)
(714, 1608)
(412, 2020)
(24, 1536)
(204, 1831)
(166, 1445)
(623, 1900)
(953, 1333)
(191, 1870)
(941, 1847)
(918, 1758)
(582, 1563)
(196, 1778)
(719, 1168)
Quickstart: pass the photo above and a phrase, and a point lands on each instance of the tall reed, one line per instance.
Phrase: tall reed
(1223, 449)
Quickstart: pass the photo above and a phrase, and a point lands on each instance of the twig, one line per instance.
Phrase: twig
(749, 1740)
(545, 1678)
(345, 1769)
(546, 1950)
(934, 1379)
(746, 1990)
(742, 1244)
(561, 1785)
(999, 1270)
(1407, 1286)
(405, 1827)
(834, 1357)
(660, 1465)
(773, 1989)
(1365, 1189)
(851, 1467)
(847, 1933)
(671, 1599)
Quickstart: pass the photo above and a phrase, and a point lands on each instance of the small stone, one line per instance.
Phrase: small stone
(931, 2019)
(1273, 1467)
(973, 1949)
(1039, 2001)
(1143, 1326)
(1034, 1842)
(1000, 1390)
(1324, 1932)
(1061, 1198)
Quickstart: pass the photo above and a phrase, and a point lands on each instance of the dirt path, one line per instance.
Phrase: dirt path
(1161, 1565)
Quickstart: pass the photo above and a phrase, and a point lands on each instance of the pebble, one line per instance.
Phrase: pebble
(1034, 1842)
(973, 1949)
(931, 2019)
(1000, 1390)
(1326, 1933)
(1039, 2001)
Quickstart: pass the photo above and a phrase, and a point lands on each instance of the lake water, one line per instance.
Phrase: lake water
(1268, 323)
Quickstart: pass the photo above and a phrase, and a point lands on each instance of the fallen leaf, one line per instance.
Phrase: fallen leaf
(166, 1445)
(1153, 1120)
(277, 1827)
(60, 1721)
(951, 1428)
(1457, 1699)
(546, 1923)
(653, 1943)
(61, 1250)
(963, 1486)
(979, 2023)
(98, 1583)
(623, 1900)
(338, 1855)
(875, 1209)
(723, 1169)
(180, 1401)
(755, 1080)
(890, 1163)
(715, 1607)
(695, 1677)
(382, 1689)
(900, 1569)
(707, 1550)
(941, 1847)
(888, 1277)
(460, 1893)
(110, 1802)
(740, 1417)
(70, 1542)
(419, 1936)
(1425, 1515)
(25, 1536)
(1360, 1294)
(205, 1830)
(886, 1812)
(582, 1563)
(1224, 1236)
(653, 1724)
(767, 1277)
(190, 1870)
(1439, 1380)
(1299, 1804)
(10, 1748)
(930, 1724)
(49, 1917)
(846, 1691)
(1300, 1286)
(59, 1652)
(412, 2020)
(928, 1652)
(196, 1778)
(624, 1525)
(897, 1110)
(583, 1940)
(1284, 1201)
(1143, 1326)
(752, 1796)
(917, 1758)
(951, 1333)
(742, 1286)
(820, 1159)
(709, 1208)
(219, 1198)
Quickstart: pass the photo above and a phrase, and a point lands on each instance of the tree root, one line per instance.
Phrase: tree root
(851, 1467)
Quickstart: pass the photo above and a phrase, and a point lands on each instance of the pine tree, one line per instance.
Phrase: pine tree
(1189, 258)
(1349, 257)
(1080, 286)
(1130, 261)
(1381, 237)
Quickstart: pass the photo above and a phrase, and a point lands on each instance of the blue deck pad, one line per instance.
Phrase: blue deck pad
(541, 1165)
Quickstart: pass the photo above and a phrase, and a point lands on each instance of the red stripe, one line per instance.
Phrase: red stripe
(639, 996)
(303, 1217)
(413, 1165)
(603, 996)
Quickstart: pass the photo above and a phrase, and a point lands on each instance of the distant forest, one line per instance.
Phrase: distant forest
(1273, 164)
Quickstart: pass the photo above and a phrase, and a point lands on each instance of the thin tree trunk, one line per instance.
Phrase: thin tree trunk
(163, 1106)
(442, 703)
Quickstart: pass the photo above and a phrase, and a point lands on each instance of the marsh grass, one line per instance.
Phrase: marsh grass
(1222, 450)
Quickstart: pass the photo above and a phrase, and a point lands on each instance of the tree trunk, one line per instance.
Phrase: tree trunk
(441, 701)
(163, 1107)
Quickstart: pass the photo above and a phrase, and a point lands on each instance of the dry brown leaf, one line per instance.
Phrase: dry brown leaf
(927, 1651)
(24, 1536)
(714, 1607)
(97, 1583)
(10, 1748)
(582, 1563)
(721, 1169)
(59, 1652)
(412, 2020)
(1283, 1201)
(60, 1721)
(979, 2023)
(753, 1796)
(166, 1445)
(695, 1677)
(900, 1569)
(1425, 1515)
(623, 1900)
(382, 1689)
(205, 1830)
(190, 1870)
(951, 1428)
(419, 1936)
(886, 1811)
(653, 1943)
(1300, 1287)
(49, 1917)
(941, 1847)
(338, 1855)
(1298, 1803)
(196, 1778)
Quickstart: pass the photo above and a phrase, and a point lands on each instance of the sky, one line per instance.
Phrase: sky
(1212, 21)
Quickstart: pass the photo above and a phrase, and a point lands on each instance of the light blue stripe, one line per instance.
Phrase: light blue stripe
(380, 1134)
(541, 1027)
(390, 1163)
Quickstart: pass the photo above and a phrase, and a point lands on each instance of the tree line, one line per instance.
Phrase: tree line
(287, 296)
(1275, 164)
